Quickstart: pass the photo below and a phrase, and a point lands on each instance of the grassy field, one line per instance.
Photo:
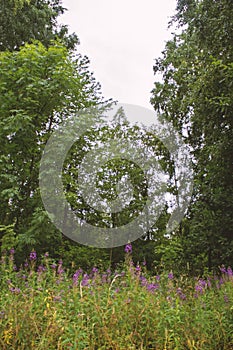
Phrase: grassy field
(43, 306)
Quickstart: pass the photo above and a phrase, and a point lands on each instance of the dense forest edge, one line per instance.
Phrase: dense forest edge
(179, 284)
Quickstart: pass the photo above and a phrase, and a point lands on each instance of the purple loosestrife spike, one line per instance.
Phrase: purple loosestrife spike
(41, 269)
(85, 280)
(76, 276)
(223, 269)
(128, 248)
(143, 281)
(33, 256)
(199, 289)
(170, 276)
(152, 286)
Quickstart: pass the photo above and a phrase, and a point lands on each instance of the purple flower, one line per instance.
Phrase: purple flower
(223, 269)
(202, 283)
(12, 251)
(143, 281)
(229, 271)
(33, 256)
(198, 289)
(94, 270)
(104, 278)
(46, 255)
(128, 248)
(144, 263)
(138, 268)
(15, 290)
(181, 295)
(53, 266)
(85, 280)
(41, 268)
(152, 287)
(157, 278)
(15, 268)
(76, 276)
(57, 298)
(170, 276)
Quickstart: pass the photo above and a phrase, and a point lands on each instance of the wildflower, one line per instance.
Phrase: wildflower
(198, 289)
(94, 270)
(128, 248)
(33, 256)
(46, 255)
(223, 269)
(143, 281)
(76, 276)
(15, 290)
(170, 276)
(229, 271)
(138, 268)
(226, 299)
(60, 269)
(85, 280)
(41, 268)
(181, 295)
(202, 283)
(57, 298)
(157, 278)
(53, 266)
(152, 287)
(12, 251)
(104, 278)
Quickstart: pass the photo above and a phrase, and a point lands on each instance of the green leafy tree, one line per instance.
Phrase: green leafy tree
(196, 95)
(39, 87)
(22, 21)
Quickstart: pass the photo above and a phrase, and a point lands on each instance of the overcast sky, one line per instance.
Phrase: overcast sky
(121, 38)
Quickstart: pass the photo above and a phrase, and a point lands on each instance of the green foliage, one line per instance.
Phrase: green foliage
(39, 88)
(22, 21)
(196, 95)
(8, 237)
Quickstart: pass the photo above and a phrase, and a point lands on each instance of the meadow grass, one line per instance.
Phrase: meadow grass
(43, 306)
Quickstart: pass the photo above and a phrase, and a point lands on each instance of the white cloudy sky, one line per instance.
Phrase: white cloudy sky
(121, 39)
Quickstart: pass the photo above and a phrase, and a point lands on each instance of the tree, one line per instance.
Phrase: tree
(196, 96)
(22, 21)
(39, 87)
